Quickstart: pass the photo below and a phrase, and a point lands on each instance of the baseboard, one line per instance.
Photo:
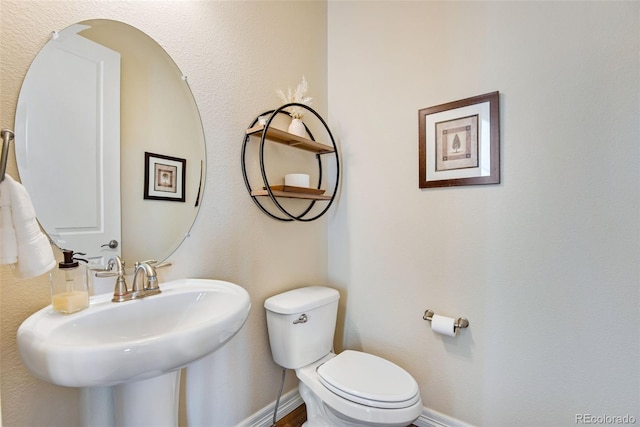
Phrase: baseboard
(264, 417)
(291, 400)
(433, 418)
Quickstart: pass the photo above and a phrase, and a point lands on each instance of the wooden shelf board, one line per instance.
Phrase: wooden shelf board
(286, 138)
(291, 195)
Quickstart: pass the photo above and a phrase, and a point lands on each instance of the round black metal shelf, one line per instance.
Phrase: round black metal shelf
(268, 133)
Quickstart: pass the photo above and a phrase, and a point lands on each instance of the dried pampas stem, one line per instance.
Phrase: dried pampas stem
(297, 96)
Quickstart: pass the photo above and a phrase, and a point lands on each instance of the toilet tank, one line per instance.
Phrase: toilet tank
(301, 325)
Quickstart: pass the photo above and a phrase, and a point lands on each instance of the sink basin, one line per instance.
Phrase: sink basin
(113, 343)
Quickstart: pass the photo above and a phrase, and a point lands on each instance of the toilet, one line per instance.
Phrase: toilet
(351, 388)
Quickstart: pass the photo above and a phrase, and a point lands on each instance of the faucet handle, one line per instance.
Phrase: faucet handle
(152, 285)
(103, 272)
(121, 291)
(115, 262)
(154, 263)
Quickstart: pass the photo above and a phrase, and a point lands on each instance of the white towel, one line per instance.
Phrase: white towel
(8, 244)
(22, 242)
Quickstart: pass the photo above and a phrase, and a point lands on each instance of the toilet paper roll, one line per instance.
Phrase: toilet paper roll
(443, 325)
(297, 180)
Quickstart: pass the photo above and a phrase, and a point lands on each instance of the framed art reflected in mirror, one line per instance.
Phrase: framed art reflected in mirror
(164, 177)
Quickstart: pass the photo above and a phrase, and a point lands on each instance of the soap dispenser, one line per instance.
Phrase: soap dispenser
(69, 284)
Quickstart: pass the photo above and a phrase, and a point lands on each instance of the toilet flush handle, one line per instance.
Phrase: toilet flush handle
(302, 319)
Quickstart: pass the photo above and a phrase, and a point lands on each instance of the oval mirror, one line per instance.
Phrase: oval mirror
(109, 143)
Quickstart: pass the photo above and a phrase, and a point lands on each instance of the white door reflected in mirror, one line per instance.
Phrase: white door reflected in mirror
(71, 142)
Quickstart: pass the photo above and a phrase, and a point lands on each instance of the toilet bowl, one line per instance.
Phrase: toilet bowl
(359, 389)
(351, 388)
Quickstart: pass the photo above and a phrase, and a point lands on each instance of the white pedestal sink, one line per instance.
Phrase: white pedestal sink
(136, 346)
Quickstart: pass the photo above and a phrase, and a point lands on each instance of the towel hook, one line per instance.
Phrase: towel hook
(7, 136)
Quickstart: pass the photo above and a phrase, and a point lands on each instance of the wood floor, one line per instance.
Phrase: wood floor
(297, 417)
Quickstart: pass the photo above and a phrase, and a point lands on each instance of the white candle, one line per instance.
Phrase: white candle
(297, 180)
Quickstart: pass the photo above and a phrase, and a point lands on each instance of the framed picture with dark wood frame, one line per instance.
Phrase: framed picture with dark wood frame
(164, 177)
(459, 142)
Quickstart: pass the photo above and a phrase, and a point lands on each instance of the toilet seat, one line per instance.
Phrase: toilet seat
(369, 380)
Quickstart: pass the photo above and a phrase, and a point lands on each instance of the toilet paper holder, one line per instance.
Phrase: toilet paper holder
(460, 323)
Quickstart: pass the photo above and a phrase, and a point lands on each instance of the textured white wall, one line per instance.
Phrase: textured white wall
(235, 54)
(544, 265)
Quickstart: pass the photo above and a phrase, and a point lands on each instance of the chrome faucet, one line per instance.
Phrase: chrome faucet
(121, 291)
(150, 284)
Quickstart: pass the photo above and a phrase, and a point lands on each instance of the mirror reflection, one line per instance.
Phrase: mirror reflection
(109, 143)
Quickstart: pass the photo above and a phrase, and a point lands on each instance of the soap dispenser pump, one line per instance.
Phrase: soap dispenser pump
(69, 284)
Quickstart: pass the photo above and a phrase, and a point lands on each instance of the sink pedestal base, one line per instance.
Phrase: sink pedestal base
(151, 402)
(96, 407)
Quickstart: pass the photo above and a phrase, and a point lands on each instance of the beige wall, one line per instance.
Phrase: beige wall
(235, 54)
(544, 265)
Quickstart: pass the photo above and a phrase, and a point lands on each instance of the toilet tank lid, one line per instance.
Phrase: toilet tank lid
(301, 299)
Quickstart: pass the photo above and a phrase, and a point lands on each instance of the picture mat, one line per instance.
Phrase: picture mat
(153, 161)
(484, 142)
(449, 157)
